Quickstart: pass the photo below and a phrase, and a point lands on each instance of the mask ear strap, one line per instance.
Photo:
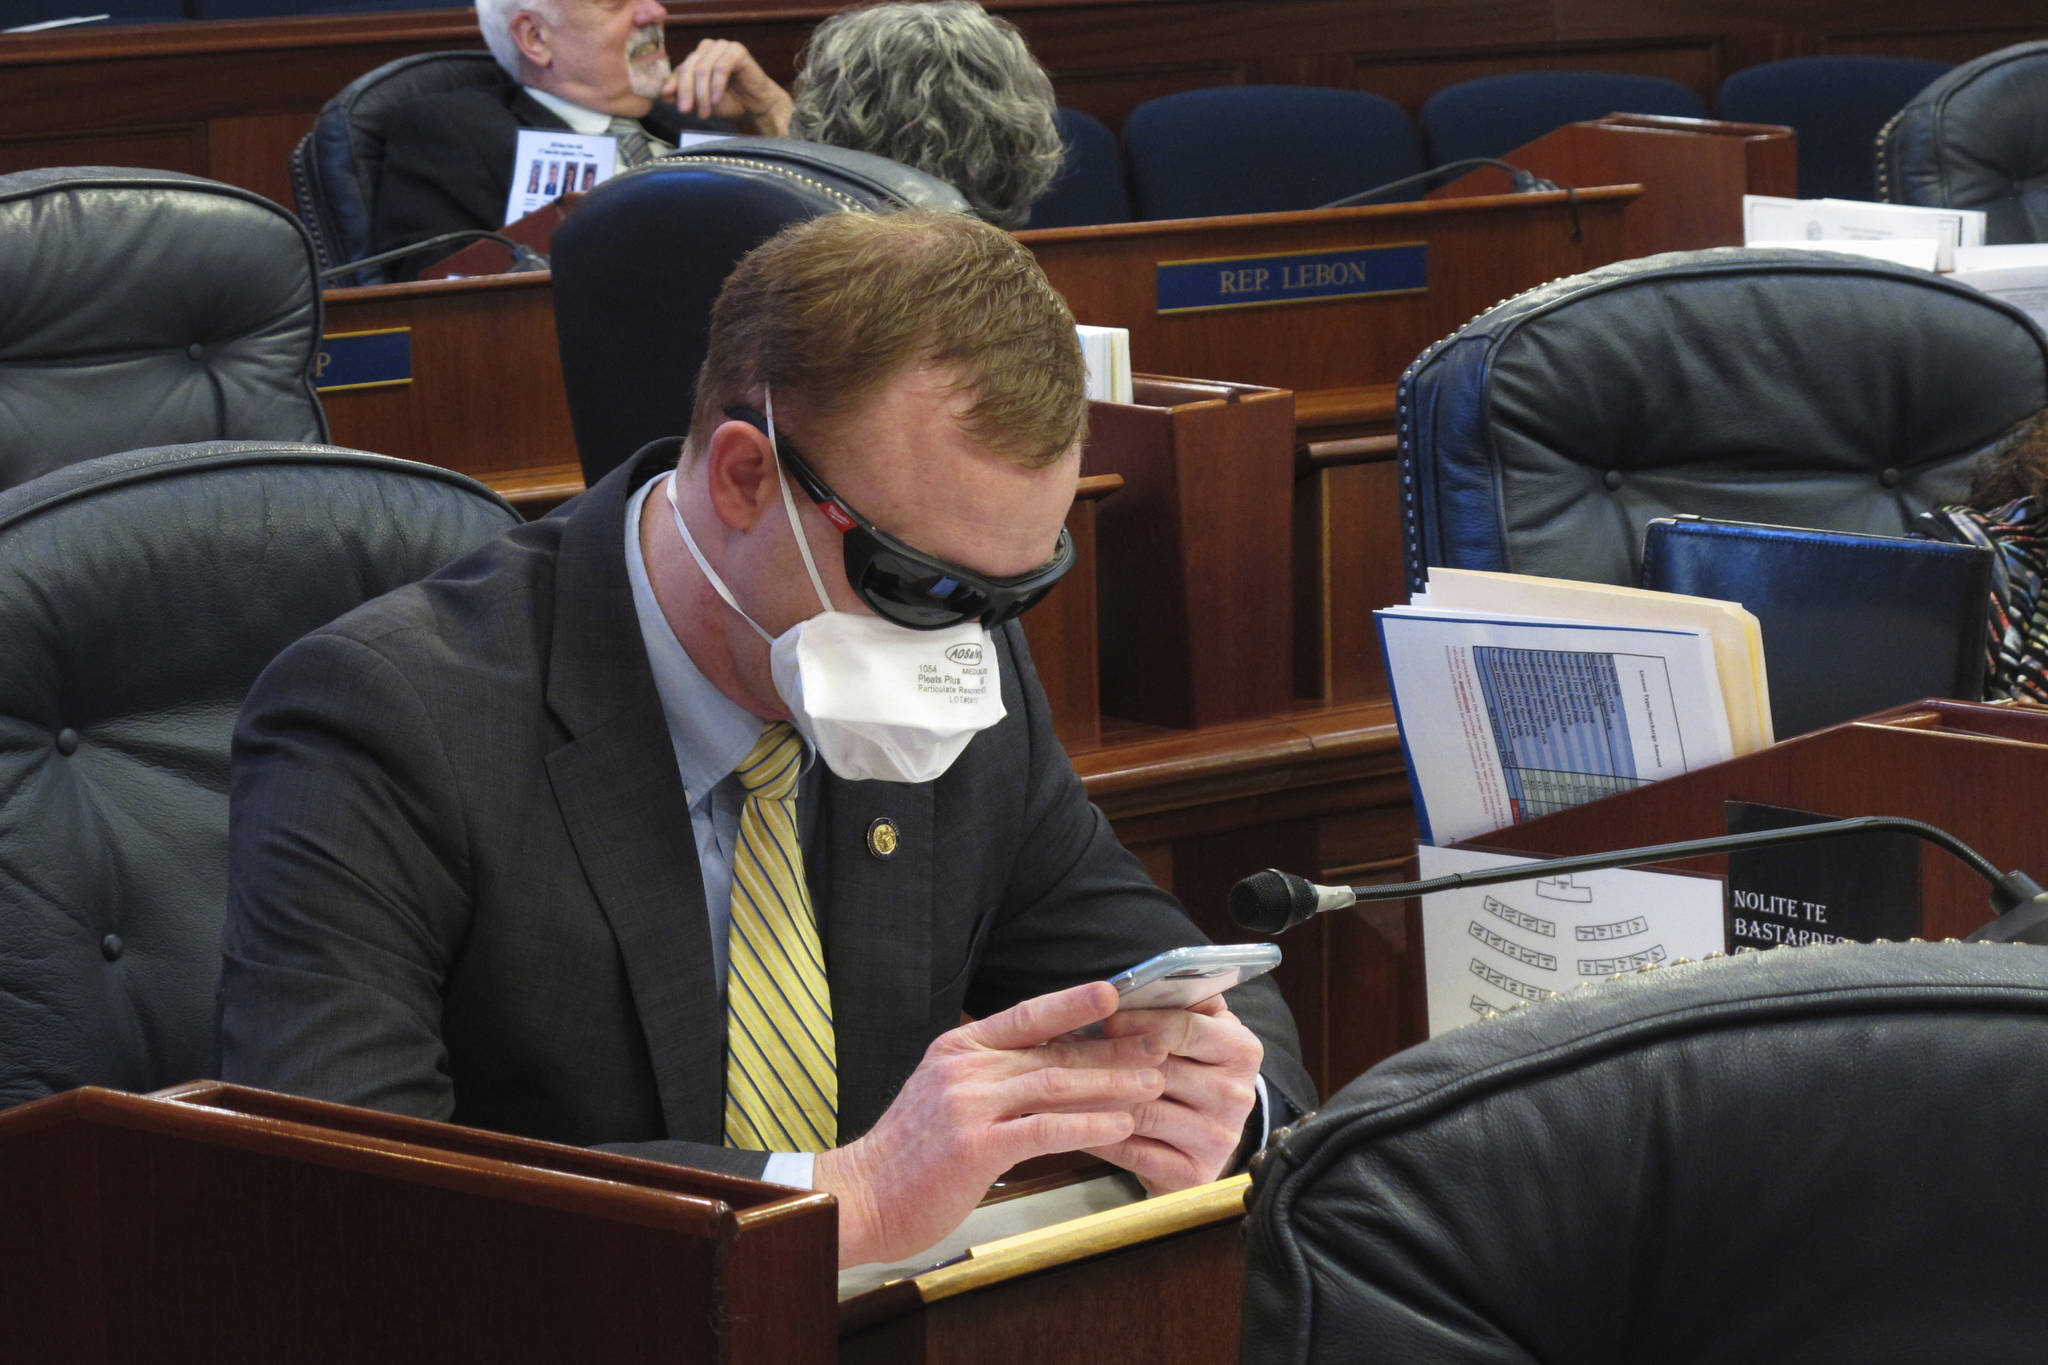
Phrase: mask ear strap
(796, 527)
(690, 544)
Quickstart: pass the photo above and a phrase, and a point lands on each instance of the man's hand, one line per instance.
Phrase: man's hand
(986, 1096)
(721, 79)
(1191, 1132)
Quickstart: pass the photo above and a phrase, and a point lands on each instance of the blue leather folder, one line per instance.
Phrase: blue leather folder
(1851, 623)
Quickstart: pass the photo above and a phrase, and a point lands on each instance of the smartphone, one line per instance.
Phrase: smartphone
(1185, 976)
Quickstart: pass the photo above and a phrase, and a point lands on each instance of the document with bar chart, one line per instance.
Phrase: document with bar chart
(1506, 718)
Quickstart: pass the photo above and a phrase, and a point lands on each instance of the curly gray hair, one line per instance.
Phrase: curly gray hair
(945, 87)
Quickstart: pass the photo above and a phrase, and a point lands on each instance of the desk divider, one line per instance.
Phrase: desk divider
(1193, 559)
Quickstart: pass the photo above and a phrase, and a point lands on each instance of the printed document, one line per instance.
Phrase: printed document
(1815, 222)
(1505, 718)
(550, 164)
(1490, 948)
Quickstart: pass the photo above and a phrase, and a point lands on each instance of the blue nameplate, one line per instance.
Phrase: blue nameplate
(1291, 277)
(363, 360)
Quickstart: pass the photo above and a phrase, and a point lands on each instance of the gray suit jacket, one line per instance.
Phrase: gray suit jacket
(463, 882)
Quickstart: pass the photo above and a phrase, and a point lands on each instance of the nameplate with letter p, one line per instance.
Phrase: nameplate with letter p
(1291, 277)
(363, 360)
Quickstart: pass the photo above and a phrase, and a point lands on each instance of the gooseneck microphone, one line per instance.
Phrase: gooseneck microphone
(1270, 901)
(1523, 181)
(524, 257)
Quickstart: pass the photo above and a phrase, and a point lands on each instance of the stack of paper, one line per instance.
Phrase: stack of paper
(1844, 223)
(1107, 351)
(2017, 273)
(1517, 696)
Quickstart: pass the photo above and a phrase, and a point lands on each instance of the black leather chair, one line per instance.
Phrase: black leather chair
(335, 167)
(639, 263)
(149, 307)
(140, 595)
(1973, 140)
(1802, 388)
(1823, 1155)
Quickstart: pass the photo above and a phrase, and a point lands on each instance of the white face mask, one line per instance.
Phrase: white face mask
(877, 700)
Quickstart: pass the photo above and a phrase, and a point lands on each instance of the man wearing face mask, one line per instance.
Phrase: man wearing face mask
(691, 820)
(587, 66)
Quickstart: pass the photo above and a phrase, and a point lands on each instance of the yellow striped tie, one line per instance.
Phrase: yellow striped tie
(781, 1077)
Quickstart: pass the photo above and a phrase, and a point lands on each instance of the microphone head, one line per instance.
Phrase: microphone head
(1270, 901)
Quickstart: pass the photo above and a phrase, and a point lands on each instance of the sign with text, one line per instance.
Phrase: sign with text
(363, 360)
(1291, 277)
(1851, 888)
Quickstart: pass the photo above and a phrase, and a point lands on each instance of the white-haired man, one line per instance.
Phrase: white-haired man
(587, 66)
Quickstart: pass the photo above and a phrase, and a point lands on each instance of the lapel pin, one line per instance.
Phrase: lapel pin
(882, 837)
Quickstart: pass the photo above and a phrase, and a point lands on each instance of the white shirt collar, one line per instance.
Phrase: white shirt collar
(579, 119)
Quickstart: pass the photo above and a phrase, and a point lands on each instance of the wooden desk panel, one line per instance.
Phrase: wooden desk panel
(212, 1223)
(1966, 767)
(486, 393)
(1480, 251)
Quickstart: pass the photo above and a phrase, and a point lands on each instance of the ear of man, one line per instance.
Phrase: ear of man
(529, 33)
(740, 474)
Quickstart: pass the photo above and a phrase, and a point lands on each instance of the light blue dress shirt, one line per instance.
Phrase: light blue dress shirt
(711, 733)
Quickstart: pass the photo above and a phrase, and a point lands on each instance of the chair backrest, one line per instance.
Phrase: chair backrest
(1091, 186)
(1813, 1154)
(140, 595)
(1804, 388)
(334, 168)
(1263, 149)
(1836, 105)
(149, 307)
(1973, 140)
(1493, 115)
(639, 263)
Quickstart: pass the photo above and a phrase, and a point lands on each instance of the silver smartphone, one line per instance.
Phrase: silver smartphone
(1185, 976)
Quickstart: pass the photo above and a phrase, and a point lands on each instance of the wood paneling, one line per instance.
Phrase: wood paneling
(252, 87)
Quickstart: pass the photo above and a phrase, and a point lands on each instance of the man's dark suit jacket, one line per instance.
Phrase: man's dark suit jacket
(448, 163)
(463, 882)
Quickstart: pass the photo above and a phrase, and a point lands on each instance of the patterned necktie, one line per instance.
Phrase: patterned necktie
(633, 144)
(781, 1078)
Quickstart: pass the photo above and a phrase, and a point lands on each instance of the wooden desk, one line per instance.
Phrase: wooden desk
(1695, 172)
(1340, 356)
(225, 1225)
(486, 391)
(1968, 767)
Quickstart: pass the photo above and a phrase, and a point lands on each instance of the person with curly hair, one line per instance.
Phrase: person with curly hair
(946, 88)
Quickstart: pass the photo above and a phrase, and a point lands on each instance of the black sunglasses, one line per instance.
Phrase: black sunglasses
(902, 583)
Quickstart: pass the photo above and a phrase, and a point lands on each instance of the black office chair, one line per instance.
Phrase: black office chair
(335, 167)
(1972, 140)
(1802, 388)
(140, 595)
(1810, 1154)
(148, 307)
(639, 263)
